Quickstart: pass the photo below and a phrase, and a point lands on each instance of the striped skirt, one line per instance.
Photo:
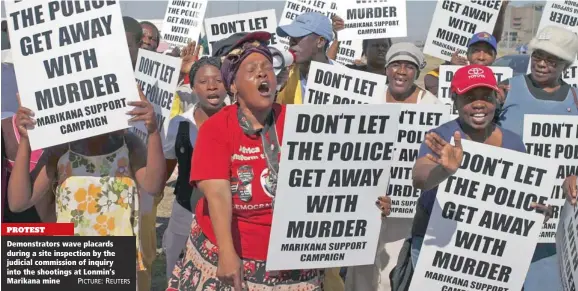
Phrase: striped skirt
(197, 270)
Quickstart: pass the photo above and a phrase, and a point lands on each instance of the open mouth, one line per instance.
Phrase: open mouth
(400, 82)
(479, 117)
(264, 88)
(213, 99)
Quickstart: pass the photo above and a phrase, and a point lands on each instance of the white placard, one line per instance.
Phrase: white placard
(553, 137)
(334, 166)
(158, 77)
(566, 250)
(330, 84)
(455, 22)
(447, 75)
(561, 14)
(482, 231)
(373, 19)
(349, 50)
(73, 68)
(415, 121)
(218, 28)
(183, 21)
(294, 8)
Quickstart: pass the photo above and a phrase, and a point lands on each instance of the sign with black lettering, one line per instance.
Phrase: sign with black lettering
(334, 165)
(414, 122)
(483, 229)
(330, 84)
(183, 21)
(553, 137)
(454, 23)
(372, 19)
(35, 263)
(566, 250)
(218, 28)
(562, 14)
(73, 68)
(349, 50)
(447, 75)
(158, 77)
(294, 8)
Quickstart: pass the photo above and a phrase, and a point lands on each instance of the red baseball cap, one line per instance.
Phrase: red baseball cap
(473, 76)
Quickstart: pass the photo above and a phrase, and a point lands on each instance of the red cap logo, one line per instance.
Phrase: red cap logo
(474, 73)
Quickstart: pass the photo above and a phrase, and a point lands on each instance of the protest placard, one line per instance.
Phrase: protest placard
(158, 77)
(330, 84)
(483, 229)
(294, 8)
(73, 68)
(218, 28)
(333, 167)
(183, 21)
(553, 137)
(349, 50)
(372, 19)
(415, 121)
(447, 75)
(566, 249)
(458, 21)
(562, 14)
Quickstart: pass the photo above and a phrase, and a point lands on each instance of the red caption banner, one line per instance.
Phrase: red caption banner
(37, 229)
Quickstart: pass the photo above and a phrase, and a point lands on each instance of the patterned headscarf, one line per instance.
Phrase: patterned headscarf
(213, 61)
(232, 61)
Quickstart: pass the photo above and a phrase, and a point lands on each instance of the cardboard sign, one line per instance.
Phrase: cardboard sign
(454, 24)
(183, 21)
(566, 250)
(349, 50)
(482, 231)
(330, 84)
(553, 137)
(372, 19)
(158, 77)
(218, 28)
(334, 165)
(73, 68)
(415, 121)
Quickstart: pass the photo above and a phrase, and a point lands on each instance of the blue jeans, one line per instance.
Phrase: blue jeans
(543, 274)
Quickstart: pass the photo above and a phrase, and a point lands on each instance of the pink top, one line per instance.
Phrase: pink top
(8, 164)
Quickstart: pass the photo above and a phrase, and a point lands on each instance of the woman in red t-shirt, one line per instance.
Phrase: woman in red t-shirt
(235, 164)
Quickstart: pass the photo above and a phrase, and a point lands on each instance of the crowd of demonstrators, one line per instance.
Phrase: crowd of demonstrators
(226, 106)
(542, 91)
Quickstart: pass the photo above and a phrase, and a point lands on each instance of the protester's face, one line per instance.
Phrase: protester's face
(133, 47)
(208, 86)
(481, 53)
(305, 47)
(477, 107)
(401, 76)
(255, 82)
(376, 51)
(150, 39)
(546, 68)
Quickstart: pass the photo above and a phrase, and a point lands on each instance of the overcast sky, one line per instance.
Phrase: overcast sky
(419, 12)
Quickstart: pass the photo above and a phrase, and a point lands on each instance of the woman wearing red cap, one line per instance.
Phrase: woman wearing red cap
(474, 92)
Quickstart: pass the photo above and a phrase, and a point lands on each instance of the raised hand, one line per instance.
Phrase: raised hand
(337, 23)
(458, 60)
(384, 204)
(570, 189)
(189, 55)
(143, 111)
(24, 119)
(448, 156)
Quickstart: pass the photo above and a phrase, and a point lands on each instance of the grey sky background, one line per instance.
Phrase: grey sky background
(419, 12)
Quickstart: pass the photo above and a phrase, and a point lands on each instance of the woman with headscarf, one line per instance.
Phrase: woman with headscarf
(235, 166)
(207, 85)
